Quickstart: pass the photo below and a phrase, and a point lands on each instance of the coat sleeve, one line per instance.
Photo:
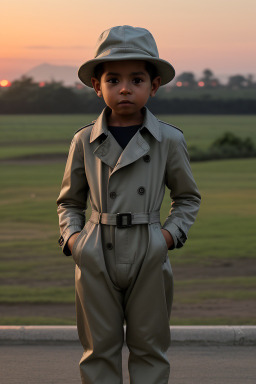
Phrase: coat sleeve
(72, 201)
(183, 191)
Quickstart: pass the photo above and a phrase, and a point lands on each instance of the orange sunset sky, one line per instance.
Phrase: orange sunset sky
(191, 34)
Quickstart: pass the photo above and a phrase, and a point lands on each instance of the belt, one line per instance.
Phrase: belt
(125, 219)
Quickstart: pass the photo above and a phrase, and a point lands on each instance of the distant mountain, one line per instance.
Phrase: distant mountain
(48, 72)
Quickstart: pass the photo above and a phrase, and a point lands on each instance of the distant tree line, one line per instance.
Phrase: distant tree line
(209, 80)
(27, 96)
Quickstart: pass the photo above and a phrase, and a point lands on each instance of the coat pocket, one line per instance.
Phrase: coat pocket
(162, 242)
(76, 248)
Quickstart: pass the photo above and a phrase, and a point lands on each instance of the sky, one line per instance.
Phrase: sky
(192, 34)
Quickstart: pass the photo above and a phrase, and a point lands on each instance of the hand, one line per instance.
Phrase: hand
(71, 240)
(168, 238)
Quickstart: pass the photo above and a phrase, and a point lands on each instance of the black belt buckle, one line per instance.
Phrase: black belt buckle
(120, 217)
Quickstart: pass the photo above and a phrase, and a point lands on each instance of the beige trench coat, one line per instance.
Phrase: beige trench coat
(124, 273)
(132, 180)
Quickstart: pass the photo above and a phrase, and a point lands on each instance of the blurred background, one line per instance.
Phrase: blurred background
(212, 99)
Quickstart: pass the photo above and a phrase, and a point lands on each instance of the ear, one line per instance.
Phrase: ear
(96, 85)
(156, 82)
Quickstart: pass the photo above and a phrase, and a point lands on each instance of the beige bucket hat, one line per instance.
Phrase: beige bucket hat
(126, 43)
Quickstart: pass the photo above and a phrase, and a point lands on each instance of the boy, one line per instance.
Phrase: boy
(123, 162)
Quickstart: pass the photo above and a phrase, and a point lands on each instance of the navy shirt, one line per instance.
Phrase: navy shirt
(124, 134)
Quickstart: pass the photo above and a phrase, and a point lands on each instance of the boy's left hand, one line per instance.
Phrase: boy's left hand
(168, 238)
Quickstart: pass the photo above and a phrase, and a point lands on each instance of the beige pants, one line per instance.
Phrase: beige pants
(123, 277)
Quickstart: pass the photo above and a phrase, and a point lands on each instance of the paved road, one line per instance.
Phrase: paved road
(57, 364)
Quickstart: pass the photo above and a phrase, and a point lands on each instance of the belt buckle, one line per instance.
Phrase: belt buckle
(119, 220)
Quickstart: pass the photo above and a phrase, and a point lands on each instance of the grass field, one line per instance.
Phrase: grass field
(32, 134)
(215, 272)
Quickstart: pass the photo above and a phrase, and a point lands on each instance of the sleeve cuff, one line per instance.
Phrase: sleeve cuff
(63, 240)
(179, 237)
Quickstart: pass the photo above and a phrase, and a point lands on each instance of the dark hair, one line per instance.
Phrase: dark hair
(150, 68)
(98, 71)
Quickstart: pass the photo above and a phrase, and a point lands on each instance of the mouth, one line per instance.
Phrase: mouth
(125, 102)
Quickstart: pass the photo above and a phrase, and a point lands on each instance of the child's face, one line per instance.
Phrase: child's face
(125, 87)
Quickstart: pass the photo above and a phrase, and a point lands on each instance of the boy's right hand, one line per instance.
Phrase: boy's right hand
(71, 240)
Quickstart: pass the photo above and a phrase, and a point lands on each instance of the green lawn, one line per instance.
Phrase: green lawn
(225, 227)
(202, 130)
(32, 134)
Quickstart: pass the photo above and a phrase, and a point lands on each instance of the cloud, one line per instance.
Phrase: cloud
(51, 47)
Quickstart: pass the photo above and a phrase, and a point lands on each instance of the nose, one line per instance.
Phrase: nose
(125, 89)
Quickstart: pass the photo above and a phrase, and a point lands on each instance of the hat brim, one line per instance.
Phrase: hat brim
(164, 69)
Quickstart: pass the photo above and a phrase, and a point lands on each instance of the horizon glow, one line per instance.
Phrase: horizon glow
(192, 35)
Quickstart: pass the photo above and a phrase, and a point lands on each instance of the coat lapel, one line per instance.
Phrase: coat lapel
(107, 150)
(111, 153)
(138, 146)
(134, 150)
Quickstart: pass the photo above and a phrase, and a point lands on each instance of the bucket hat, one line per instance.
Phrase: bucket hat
(126, 43)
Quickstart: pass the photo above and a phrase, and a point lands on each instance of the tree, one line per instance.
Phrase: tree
(19, 95)
(187, 79)
(208, 79)
(208, 74)
(26, 96)
(249, 81)
(236, 82)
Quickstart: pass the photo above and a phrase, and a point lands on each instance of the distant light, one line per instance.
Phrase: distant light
(200, 84)
(5, 83)
(41, 84)
(79, 86)
(179, 83)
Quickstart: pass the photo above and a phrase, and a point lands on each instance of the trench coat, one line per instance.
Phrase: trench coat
(122, 269)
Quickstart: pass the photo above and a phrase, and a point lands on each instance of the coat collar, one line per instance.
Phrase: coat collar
(100, 126)
(110, 152)
(150, 122)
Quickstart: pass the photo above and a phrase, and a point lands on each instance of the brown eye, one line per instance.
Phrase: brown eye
(113, 80)
(137, 80)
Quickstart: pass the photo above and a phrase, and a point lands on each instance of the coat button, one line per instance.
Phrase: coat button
(141, 190)
(146, 158)
(109, 246)
(112, 195)
(61, 241)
